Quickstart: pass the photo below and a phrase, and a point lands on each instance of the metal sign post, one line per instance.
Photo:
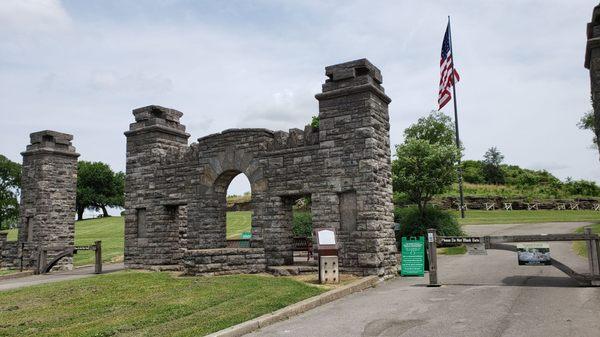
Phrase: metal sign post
(432, 246)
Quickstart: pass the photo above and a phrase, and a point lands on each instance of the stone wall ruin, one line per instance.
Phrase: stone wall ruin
(175, 192)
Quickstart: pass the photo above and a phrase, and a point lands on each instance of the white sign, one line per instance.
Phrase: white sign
(326, 237)
(430, 237)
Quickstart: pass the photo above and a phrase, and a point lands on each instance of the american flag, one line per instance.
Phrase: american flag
(446, 71)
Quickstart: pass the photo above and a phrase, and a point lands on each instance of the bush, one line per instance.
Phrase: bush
(411, 223)
(302, 224)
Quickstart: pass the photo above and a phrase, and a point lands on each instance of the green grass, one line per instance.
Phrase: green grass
(477, 217)
(458, 250)
(579, 247)
(237, 223)
(111, 230)
(108, 230)
(133, 303)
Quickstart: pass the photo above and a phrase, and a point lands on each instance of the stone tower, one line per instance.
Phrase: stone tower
(592, 62)
(152, 233)
(354, 137)
(49, 189)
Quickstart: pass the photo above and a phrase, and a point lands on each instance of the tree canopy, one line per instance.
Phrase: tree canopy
(425, 164)
(492, 171)
(436, 128)
(10, 188)
(98, 187)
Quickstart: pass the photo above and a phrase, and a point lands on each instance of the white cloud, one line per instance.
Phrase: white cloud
(83, 68)
(33, 16)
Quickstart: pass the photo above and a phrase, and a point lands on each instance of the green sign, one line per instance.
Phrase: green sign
(413, 256)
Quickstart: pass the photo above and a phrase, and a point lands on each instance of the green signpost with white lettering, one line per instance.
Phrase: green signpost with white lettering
(413, 256)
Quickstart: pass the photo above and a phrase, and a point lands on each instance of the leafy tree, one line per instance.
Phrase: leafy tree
(588, 122)
(98, 187)
(473, 172)
(10, 188)
(423, 169)
(492, 170)
(436, 128)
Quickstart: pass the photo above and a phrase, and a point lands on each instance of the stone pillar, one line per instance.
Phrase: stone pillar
(355, 144)
(592, 62)
(48, 192)
(152, 227)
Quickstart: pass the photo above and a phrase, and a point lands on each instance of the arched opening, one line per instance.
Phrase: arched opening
(239, 211)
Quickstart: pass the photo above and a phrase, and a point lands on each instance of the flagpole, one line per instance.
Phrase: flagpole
(460, 180)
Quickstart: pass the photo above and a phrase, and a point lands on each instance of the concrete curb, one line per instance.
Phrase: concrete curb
(16, 275)
(297, 308)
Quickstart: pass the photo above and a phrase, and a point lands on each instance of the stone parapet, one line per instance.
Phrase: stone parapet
(222, 261)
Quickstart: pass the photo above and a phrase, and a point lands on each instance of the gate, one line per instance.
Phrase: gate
(44, 267)
(499, 242)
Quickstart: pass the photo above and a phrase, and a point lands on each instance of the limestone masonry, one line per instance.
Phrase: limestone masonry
(175, 192)
(48, 192)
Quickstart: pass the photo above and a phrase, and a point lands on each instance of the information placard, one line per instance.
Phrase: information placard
(413, 256)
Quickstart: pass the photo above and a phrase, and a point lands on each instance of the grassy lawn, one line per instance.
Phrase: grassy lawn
(579, 246)
(108, 230)
(111, 230)
(237, 223)
(477, 217)
(133, 303)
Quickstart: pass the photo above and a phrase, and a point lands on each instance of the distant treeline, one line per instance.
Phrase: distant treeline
(514, 180)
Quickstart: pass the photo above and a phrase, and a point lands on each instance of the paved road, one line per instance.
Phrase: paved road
(57, 276)
(482, 296)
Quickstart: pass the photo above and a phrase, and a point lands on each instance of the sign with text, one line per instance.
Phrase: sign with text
(461, 239)
(413, 256)
(533, 254)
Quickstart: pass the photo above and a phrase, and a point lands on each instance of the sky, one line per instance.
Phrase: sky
(81, 67)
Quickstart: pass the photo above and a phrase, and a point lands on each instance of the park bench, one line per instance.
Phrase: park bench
(508, 206)
(490, 206)
(303, 244)
(532, 206)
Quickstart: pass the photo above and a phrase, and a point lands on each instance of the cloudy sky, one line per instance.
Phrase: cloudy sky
(81, 66)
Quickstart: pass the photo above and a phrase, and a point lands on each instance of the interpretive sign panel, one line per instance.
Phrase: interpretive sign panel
(413, 256)
(533, 254)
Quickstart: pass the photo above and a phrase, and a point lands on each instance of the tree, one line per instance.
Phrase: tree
(436, 128)
(423, 169)
(98, 187)
(10, 189)
(588, 122)
(492, 171)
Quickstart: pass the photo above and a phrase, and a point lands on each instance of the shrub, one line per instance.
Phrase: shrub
(302, 224)
(411, 223)
(315, 121)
